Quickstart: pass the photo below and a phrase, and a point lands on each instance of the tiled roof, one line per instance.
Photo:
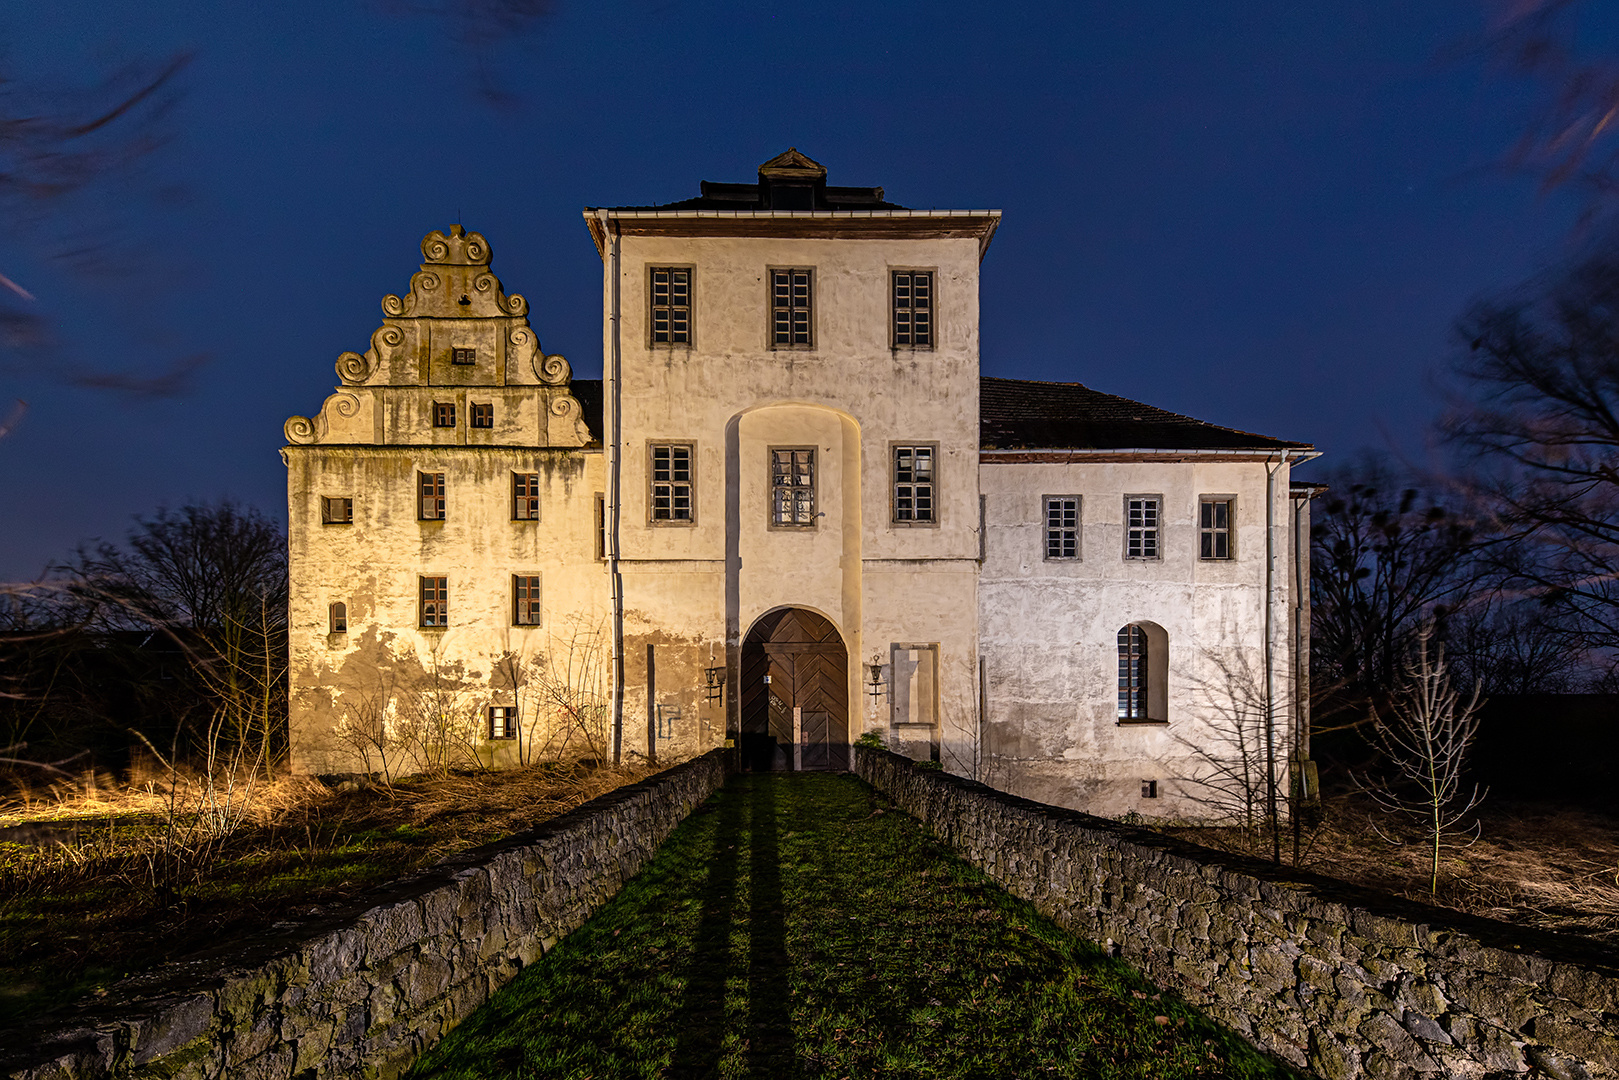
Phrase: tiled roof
(1019, 414)
(789, 181)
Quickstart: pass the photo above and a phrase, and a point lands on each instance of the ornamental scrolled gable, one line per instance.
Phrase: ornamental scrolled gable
(455, 334)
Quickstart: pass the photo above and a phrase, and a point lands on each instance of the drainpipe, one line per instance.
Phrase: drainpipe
(613, 415)
(1270, 659)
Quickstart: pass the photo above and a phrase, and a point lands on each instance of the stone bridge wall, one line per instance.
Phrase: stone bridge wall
(1343, 981)
(362, 993)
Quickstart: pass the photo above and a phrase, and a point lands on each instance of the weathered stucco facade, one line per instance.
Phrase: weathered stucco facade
(784, 518)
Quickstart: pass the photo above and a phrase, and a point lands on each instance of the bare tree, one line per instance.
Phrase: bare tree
(1387, 554)
(1424, 737)
(1227, 771)
(1542, 429)
(213, 579)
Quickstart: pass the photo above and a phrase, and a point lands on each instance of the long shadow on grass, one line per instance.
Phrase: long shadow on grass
(700, 1019)
(770, 1019)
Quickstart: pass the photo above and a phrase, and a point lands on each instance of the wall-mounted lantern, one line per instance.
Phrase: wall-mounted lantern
(714, 682)
(874, 676)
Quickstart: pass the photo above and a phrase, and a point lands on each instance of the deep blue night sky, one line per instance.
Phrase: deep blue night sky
(1266, 215)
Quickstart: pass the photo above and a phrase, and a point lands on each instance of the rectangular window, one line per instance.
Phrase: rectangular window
(791, 308)
(1132, 673)
(792, 487)
(913, 483)
(671, 305)
(435, 605)
(503, 721)
(1214, 527)
(463, 356)
(671, 496)
(337, 511)
(525, 599)
(337, 618)
(430, 491)
(1062, 526)
(525, 496)
(913, 309)
(1141, 526)
(443, 414)
(601, 526)
(483, 416)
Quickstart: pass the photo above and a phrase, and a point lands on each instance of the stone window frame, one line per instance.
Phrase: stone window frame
(336, 510)
(463, 356)
(1148, 671)
(894, 483)
(430, 487)
(771, 308)
(1156, 530)
(527, 607)
(1047, 531)
(432, 601)
(525, 503)
(689, 308)
(503, 726)
(652, 447)
(1230, 530)
(895, 309)
(771, 509)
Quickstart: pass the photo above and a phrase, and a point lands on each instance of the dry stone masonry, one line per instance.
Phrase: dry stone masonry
(1342, 981)
(362, 993)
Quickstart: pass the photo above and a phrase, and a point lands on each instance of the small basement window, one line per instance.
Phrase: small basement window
(503, 721)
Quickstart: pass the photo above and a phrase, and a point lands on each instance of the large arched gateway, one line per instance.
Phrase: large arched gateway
(795, 693)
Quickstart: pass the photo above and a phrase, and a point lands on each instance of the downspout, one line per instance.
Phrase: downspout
(1270, 658)
(613, 415)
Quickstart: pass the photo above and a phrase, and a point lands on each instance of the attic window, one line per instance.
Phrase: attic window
(463, 356)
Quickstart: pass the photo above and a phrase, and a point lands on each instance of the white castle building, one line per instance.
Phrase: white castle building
(792, 513)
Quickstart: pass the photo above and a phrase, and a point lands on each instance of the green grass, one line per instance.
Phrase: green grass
(799, 925)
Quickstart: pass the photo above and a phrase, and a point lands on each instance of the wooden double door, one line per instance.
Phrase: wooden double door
(795, 693)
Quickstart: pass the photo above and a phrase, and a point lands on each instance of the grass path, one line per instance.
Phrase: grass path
(798, 925)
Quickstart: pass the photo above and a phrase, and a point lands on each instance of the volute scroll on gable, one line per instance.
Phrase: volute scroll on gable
(455, 304)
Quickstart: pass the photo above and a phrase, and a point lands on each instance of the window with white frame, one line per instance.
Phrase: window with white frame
(914, 478)
(503, 721)
(1214, 527)
(671, 483)
(1141, 524)
(792, 486)
(1062, 526)
(671, 305)
(913, 309)
(792, 308)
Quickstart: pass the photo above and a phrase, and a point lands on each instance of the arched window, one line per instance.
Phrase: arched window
(1143, 672)
(338, 618)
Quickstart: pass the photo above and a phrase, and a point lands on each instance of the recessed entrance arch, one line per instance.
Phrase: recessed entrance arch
(795, 693)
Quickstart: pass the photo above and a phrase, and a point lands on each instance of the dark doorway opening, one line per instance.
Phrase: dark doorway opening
(795, 694)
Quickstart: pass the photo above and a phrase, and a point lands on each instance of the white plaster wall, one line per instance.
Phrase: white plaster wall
(373, 566)
(1049, 631)
(853, 397)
